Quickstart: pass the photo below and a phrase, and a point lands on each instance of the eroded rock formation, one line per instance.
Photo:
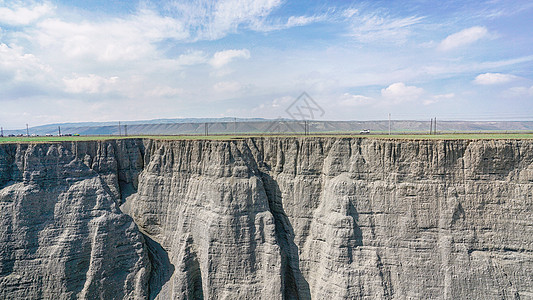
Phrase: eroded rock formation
(267, 218)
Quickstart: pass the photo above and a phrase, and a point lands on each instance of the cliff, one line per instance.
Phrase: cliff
(267, 218)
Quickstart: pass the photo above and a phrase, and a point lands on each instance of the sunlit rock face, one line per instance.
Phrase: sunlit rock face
(62, 235)
(267, 218)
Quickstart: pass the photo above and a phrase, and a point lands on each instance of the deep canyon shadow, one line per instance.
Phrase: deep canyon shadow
(294, 284)
(162, 269)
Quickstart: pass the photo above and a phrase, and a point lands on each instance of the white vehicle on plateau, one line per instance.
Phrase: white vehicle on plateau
(364, 131)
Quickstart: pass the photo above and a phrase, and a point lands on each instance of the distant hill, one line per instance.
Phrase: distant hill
(258, 125)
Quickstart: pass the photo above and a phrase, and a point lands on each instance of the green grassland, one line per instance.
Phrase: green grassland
(446, 136)
(51, 139)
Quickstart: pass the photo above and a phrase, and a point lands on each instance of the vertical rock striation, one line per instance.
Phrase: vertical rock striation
(267, 218)
(62, 235)
(381, 219)
(204, 202)
(320, 218)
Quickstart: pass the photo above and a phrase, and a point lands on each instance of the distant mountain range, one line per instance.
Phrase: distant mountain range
(229, 125)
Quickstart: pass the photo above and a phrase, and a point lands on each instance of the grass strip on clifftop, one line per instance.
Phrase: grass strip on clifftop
(450, 136)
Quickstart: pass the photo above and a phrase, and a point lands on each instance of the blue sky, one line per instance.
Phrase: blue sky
(67, 61)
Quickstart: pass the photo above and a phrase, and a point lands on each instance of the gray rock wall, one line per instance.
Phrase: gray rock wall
(267, 218)
(62, 235)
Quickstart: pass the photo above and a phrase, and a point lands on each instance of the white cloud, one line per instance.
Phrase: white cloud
(350, 12)
(91, 84)
(494, 78)
(373, 27)
(519, 91)
(229, 14)
(21, 66)
(192, 58)
(214, 19)
(227, 87)
(284, 101)
(211, 20)
(222, 58)
(16, 14)
(116, 39)
(463, 38)
(399, 92)
(302, 20)
(275, 108)
(355, 100)
(444, 96)
(437, 98)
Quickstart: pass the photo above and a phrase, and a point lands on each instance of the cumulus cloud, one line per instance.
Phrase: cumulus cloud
(399, 92)
(463, 38)
(21, 66)
(348, 99)
(494, 78)
(91, 84)
(115, 39)
(16, 14)
(222, 58)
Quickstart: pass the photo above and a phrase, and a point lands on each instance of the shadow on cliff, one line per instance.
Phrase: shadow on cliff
(357, 237)
(162, 269)
(294, 284)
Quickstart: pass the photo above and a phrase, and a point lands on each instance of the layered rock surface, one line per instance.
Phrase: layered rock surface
(62, 235)
(267, 218)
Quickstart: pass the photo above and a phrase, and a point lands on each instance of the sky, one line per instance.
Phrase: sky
(80, 61)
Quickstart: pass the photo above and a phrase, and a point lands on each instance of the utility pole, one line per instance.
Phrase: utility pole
(389, 123)
(2, 130)
(27, 130)
(435, 123)
(234, 126)
(119, 130)
(206, 129)
(125, 129)
(58, 130)
(431, 126)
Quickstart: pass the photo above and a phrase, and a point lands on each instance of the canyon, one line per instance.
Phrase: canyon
(267, 218)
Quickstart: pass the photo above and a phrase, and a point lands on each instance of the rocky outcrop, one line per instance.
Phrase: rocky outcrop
(62, 235)
(267, 218)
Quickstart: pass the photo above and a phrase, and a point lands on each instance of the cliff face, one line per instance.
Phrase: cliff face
(62, 235)
(268, 218)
